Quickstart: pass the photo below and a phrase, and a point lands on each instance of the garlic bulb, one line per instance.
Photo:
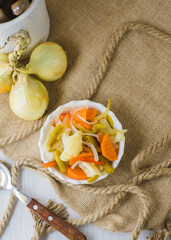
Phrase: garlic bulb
(28, 97)
(48, 62)
(5, 74)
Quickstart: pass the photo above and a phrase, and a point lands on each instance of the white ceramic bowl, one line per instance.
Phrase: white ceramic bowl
(35, 20)
(49, 122)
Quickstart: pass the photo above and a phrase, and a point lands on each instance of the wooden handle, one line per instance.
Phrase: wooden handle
(59, 224)
(19, 7)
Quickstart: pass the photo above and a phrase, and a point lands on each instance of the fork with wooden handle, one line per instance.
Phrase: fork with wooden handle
(59, 224)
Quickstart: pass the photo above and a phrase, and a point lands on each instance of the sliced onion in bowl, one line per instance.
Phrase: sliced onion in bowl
(91, 134)
(75, 164)
(96, 156)
(90, 123)
(72, 125)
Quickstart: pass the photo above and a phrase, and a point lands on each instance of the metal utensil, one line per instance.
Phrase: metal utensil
(59, 224)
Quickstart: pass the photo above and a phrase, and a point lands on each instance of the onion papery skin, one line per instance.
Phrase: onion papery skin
(28, 98)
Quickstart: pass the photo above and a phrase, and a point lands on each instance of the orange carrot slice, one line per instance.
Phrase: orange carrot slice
(86, 159)
(81, 122)
(74, 160)
(87, 114)
(100, 137)
(108, 150)
(84, 124)
(49, 164)
(84, 154)
(91, 113)
(87, 149)
(76, 173)
(81, 156)
(68, 119)
(62, 116)
(55, 123)
(82, 113)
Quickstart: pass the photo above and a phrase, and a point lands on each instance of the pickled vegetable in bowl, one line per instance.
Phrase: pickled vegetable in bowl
(82, 142)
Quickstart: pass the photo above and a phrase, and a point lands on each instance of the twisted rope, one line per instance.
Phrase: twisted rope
(22, 40)
(162, 234)
(25, 133)
(113, 43)
(149, 150)
(161, 169)
(120, 191)
(101, 71)
(7, 214)
(42, 228)
(10, 207)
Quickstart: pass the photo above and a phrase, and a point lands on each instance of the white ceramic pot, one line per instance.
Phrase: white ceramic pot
(55, 115)
(35, 20)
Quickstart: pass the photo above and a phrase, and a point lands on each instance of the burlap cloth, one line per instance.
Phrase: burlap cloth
(137, 81)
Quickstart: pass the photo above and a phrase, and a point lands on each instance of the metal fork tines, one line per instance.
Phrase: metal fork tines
(2, 179)
(5, 176)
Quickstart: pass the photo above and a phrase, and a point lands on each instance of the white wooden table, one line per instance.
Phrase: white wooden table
(21, 224)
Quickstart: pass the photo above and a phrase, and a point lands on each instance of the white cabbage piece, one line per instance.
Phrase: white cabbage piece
(108, 128)
(72, 144)
(117, 135)
(49, 156)
(90, 169)
(58, 146)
